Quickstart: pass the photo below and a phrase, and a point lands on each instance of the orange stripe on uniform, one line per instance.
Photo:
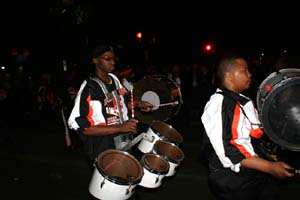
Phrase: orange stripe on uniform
(90, 113)
(256, 133)
(122, 91)
(235, 134)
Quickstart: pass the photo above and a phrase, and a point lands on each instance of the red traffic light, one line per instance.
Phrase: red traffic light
(208, 48)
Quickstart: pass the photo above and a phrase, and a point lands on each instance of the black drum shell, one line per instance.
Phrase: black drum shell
(167, 90)
(278, 103)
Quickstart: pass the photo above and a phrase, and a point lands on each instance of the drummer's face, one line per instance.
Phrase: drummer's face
(241, 76)
(105, 62)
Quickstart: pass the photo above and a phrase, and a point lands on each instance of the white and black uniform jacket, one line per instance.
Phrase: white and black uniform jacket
(231, 122)
(95, 105)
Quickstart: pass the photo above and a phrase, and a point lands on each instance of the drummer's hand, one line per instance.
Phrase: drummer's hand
(281, 170)
(144, 106)
(130, 125)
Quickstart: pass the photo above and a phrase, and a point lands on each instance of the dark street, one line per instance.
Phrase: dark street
(35, 164)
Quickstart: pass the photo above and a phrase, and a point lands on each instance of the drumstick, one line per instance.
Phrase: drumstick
(165, 104)
(132, 103)
(168, 104)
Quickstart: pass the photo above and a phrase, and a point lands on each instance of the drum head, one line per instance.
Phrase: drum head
(155, 163)
(280, 109)
(169, 151)
(167, 132)
(163, 93)
(119, 166)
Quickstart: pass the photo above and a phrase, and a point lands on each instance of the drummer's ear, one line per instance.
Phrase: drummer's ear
(95, 60)
(228, 76)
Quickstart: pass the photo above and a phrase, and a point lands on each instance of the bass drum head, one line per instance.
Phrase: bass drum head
(278, 102)
(163, 93)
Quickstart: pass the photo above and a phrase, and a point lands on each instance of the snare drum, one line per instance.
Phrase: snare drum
(159, 130)
(155, 168)
(278, 103)
(170, 152)
(116, 175)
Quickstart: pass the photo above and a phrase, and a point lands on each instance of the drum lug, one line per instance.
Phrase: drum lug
(150, 140)
(157, 179)
(101, 185)
(128, 190)
(153, 138)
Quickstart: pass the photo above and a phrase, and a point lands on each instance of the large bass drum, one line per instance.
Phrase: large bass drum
(278, 103)
(161, 92)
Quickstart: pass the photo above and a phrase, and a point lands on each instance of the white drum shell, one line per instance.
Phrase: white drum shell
(173, 164)
(115, 175)
(172, 169)
(159, 130)
(155, 168)
(148, 141)
(151, 180)
(109, 190)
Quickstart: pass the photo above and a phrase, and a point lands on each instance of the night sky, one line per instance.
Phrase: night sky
(176, 27)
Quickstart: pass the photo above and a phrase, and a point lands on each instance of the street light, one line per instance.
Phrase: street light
(139, 35)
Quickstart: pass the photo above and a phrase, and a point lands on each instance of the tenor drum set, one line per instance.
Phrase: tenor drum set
(278, 103)
(117, 173)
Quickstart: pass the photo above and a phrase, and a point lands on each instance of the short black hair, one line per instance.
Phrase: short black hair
(225, 64)
(101, 49)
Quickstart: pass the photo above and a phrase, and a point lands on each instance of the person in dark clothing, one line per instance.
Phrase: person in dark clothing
(72, 83)
(236, 170)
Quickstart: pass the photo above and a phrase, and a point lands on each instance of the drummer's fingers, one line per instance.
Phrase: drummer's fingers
(285, 165)
(132, 129)
(146, 109)
(148, 104)
(133, 120)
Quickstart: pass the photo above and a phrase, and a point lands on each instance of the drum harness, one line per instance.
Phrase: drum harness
(243, 111)
(122, 139)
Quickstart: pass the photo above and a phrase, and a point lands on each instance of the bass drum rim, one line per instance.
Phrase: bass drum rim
(261, 95)
(274, 84)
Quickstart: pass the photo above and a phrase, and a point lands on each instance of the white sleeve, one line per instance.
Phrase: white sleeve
(212, 122)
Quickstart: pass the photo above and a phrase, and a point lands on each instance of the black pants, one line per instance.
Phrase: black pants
(248, 184)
